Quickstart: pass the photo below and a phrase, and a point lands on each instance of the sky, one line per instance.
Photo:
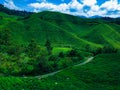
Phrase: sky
(87, 8)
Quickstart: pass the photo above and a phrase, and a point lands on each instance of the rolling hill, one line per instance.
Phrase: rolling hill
(104, 34)
(63, 30)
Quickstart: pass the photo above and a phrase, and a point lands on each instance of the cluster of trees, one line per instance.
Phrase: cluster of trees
(32, 59)
(104, 50)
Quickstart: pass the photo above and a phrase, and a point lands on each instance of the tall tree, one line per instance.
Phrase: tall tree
(87, 48)
(5, 37)
(48, 47)
(32, 48)
(5, 40)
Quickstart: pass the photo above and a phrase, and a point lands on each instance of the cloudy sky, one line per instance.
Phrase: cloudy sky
(86, 8)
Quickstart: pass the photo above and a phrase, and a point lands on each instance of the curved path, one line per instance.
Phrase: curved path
(87, 61)
(53, 73)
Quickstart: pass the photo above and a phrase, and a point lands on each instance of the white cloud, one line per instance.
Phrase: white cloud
(99, 13)
(78, 8)
(10, 4)
(49, 6)
(89, 2)
(75, 7)
(74, 4)
(110, 5)
(63, 7)
(95, 8)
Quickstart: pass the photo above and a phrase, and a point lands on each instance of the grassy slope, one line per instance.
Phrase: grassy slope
(104, 34)
(40, 30)
(116, 27)
(65, 31)
(57, 50)
(100, 74)
(49, 28)
(4, 19)
(68, 22)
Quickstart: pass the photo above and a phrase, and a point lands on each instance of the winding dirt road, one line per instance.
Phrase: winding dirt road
(53, 73)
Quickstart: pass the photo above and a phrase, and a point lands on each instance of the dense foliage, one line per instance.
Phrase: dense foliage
(32, 59)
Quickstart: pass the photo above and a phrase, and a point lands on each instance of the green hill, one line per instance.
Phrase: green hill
(44, 29)
(104, 34)
(23, 30)
(63, 30)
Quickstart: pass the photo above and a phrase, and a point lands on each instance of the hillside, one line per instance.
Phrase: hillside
(53, 31)
(100, 74)
(91, 29)
(39, 29)
(65, 31)
(104, 34)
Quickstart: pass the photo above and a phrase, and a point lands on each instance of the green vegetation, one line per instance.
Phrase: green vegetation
(34, 44)
(48, 47)
(100, 74)
(57, 50)
(67, 31)
(32, 59)
(104, 34)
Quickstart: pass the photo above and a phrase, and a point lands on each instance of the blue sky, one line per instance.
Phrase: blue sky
(88, 8)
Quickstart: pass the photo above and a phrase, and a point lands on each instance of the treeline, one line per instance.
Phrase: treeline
(105, 50)
(32, 59)
(13, 12)
(109, 20)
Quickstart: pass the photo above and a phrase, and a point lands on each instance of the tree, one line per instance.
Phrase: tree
(72, 53)
(109, 49)
(54, 61)
(97, 51)
(44, 65)
(48, 47)
(15, 50)
(32, 48)
(61, 54)
(87, 48)
(5, 37)
(5, 40)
